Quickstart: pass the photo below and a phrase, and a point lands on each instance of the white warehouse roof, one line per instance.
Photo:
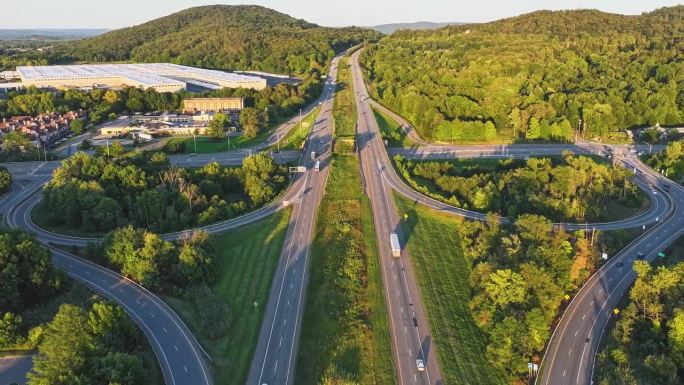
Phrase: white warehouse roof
(162, 76)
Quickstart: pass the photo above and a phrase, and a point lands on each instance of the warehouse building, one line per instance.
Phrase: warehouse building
(213, 104)
(163, 77)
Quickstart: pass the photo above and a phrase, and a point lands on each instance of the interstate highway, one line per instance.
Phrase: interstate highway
(275, 356)
(411, 338)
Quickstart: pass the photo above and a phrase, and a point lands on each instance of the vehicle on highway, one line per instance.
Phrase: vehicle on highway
(666, 187)
(313, 155)
(317, 167)
(394, 242)
(620, 264)
(420, 365)
(654, 192)
(641, 256)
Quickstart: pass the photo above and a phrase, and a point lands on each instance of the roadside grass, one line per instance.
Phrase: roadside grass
(248, 256)
(344, 106)
(392, 131)
(443, 277)
(345, 333)
(294, 140)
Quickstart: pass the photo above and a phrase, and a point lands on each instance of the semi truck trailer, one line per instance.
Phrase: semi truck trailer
(394, 242)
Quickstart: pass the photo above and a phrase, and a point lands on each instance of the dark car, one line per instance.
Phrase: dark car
(641, 256)
(666, 187)
(620, 264)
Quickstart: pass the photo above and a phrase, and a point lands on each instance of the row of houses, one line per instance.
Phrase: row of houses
(44, 128)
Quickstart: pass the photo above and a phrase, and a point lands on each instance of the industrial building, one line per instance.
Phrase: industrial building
(213, 104)
(163, 77)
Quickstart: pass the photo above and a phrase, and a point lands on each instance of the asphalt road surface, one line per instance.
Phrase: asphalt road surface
(411, 338)
(571, 352)
(275, 355)
(13, 369)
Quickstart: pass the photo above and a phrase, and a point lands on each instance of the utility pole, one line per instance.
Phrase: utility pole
(194, 139)
(300, 121)
(228, 136)
(108, 148)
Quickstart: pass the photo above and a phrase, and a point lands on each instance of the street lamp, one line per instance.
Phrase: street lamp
(194, 139)
(300, 121)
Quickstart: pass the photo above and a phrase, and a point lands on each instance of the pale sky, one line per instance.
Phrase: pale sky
(123, 13)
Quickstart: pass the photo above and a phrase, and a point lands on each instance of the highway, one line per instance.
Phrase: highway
(571, 352)
(14, 369)
(411, 338)
(572, 349)
(181, 358)
(275, 355)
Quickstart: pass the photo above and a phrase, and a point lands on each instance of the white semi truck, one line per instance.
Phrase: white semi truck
(396, 248)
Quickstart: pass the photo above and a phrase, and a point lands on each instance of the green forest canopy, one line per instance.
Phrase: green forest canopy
(240, 37)
(535, 76)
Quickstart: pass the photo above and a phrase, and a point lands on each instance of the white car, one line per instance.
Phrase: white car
(420, 365)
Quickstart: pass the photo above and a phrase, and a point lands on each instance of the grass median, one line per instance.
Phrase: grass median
(345, 334)
(443, 278)
(249, 256)
(344, 112)
(391, 131)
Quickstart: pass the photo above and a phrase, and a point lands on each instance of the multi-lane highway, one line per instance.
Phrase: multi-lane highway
(571, 352)
(411, 338)
(276, 351)
(13, 369)
(181, 357)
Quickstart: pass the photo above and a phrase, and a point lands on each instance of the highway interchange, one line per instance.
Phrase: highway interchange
(570, 353)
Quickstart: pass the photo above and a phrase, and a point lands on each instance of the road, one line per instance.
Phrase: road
(275, 355)
(571, 352)
(411, 337)
(181, 358)
(13, 369)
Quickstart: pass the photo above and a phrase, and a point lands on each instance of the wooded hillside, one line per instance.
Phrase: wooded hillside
(537, 76)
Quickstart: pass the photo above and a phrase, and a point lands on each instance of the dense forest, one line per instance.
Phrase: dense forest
(98, 194)
(241, 37)
(646, 346)
(572, 188)
(535, 77)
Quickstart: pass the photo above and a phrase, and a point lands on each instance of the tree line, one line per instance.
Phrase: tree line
(572, 188)
(670, 162)
(646, 345)
(534, 77)
(96, 193)
(519, 278)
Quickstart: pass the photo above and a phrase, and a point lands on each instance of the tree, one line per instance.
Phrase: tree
(116, 150)
(251, 121)
(63, 355)
(9, 330)
(77, 126)
(216, 128)
(5, 180)
(505, 287)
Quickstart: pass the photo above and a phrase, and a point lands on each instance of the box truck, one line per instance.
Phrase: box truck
(394, 241)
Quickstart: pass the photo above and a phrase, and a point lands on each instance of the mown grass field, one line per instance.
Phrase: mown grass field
(336, 348)
(443, 279)
(391, 131)
(344, 106)
(249, 256)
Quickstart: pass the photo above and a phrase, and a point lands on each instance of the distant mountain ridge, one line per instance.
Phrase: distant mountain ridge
(233, 37)
(390, 28)
(50, 33)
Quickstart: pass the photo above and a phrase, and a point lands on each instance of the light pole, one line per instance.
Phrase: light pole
(300, 121)
(108, 148)
(278, 136)
(194, 139)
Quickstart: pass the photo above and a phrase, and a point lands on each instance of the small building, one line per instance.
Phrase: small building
(194, 105)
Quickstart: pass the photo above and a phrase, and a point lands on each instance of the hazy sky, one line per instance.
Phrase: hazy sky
(122, 13)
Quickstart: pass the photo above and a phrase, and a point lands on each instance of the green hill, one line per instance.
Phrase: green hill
(536, 76)
(223, 37)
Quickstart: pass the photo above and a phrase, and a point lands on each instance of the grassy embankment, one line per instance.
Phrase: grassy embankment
(443, 278)
(248, 256)
(344, 110)
(294, 140)
(391, 131)
(345, 334)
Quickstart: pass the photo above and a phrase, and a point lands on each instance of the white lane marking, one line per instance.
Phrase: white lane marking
(186, 368)
(88, 273)
(281, 342)
(152, 314)
(584, 316)
(276, 366)
(175, 347)
(164, 329)
(576, 331)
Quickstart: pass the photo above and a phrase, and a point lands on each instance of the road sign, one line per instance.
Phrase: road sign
(604, 256)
